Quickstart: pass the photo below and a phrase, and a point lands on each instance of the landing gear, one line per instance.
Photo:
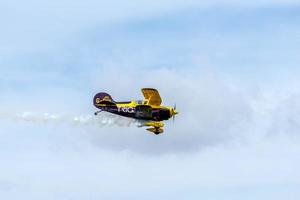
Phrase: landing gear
(155, 130)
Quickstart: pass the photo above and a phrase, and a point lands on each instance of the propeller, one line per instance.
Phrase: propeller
(174, 112)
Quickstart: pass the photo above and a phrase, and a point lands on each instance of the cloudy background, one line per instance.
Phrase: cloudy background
(231, 67)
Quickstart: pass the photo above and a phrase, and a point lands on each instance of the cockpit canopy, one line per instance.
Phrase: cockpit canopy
(141, 102)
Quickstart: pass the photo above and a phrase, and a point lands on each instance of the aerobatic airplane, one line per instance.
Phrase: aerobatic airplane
(149, 112)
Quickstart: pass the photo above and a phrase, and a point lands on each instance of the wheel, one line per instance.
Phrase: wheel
(157, 131)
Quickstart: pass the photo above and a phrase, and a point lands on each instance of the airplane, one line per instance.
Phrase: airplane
(149, 111)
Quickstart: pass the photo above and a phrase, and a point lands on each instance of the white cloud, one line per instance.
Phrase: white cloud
(219, 142)
(229, 141)
(212, 112)
(63, 166)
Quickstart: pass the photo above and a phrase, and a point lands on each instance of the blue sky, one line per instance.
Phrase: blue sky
(232, 68)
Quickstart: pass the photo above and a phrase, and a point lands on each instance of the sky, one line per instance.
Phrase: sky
(231, 67)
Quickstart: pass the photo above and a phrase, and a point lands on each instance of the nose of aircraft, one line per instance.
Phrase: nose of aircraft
(174, 112)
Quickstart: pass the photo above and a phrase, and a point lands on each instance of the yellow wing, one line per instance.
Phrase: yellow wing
(152, 96)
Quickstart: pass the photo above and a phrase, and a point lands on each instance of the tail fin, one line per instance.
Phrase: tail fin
(103, 98)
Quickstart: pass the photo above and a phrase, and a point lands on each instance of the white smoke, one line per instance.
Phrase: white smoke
(103, 119)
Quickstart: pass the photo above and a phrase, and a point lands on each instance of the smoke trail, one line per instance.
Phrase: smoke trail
(103, 119)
